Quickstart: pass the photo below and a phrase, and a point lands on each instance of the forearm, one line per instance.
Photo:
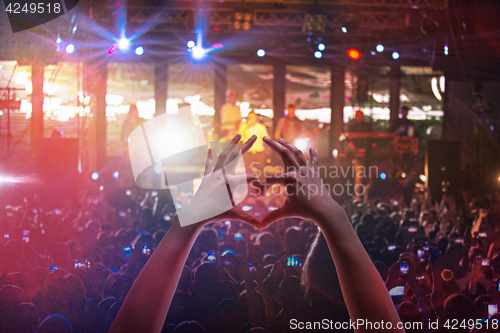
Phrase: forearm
(364, 291)
(148, 301)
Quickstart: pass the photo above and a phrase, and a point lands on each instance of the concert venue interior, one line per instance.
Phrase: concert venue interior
(107, 114)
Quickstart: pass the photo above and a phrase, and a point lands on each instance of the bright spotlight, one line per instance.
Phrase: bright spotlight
(318, 54)
(383, 175)
(139, 50)
(70, 48)
(75, 27)
(344, 30)
(198, 52)
(261, 53)
(6, 179)
(395, 55)
(190, 44)
(423, 178)
(321, 47)
(123, 44)
(116, 174)
(380, 48)
(301, 144)
(373, 53)
(95, 176)
(335, 153)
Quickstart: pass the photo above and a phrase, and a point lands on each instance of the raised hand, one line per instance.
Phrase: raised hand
(306, 196)
(214, 191)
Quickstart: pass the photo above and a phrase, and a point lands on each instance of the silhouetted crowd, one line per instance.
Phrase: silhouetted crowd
(69, 270)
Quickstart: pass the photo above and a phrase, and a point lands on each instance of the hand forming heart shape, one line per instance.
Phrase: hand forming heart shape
(306, 197)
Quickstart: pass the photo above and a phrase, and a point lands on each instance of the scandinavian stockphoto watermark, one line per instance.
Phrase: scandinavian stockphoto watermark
(26, 14)
(349, 173)
(177, 144)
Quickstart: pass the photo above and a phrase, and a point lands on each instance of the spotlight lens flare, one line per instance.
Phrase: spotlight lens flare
(198, 52)
(190, 44)
(395, 55)
(321, 47)
(123, 44)
(318, 54)
(139, 50)
(344, 30)
(116, 174)
(112, 49)
(353, 54)
(70, 48)
(380, 48)
(261, 53)
(383, 175)
(95, 176)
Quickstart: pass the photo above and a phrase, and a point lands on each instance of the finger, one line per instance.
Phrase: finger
(209, 164)
(236, 154)
(221, 161)
(286, 155)
(278, 179)
(274, 216)
(295, 151)
(314, 159)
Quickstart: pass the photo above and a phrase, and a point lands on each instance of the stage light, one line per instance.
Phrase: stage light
(116, 174)
(128, 192)
(6, 179)
(58, 43)
(403, 175)
(112, 49)
(139, 50)
(198, 52)
(321, 47)
(380, 48)
(301, 144)
(95, 176)
(74, 28)
(446, 50)
(353, 54)
(373, 53)
(344, 30)
(261, 53)
(383, 175)
(435, 89)
(218, 46)
(58, 40)
(492, 128)
(190, 44)
(318, 54)
(423, 178)
(216, 28)
(117, 4)
(335, 153)
(395, 55)
(70, 48)
(101, 187)
(123, 44)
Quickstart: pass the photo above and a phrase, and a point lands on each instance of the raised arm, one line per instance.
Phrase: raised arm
(365, 294)
(147, 303)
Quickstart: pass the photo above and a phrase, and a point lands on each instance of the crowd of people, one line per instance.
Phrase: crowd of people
(81, 269)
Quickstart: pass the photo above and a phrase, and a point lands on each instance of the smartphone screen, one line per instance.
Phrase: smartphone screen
(238, 236)
(146, 249)
(227, 263)
(412, 229)
(293, 262)
(391, 247)
(128, 251)
(53, 268)
(404, 267)
(483, 234)
(211, 256)
(421, 255)
(492, 309)
(26, 236)
(498, 286)
(397, 291)
(6, 236)
(485, 262)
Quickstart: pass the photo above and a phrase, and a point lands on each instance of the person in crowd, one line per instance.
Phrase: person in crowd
(403, 126)
(133, 120)
(230, 115)
(290, 128)
(255, 159)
